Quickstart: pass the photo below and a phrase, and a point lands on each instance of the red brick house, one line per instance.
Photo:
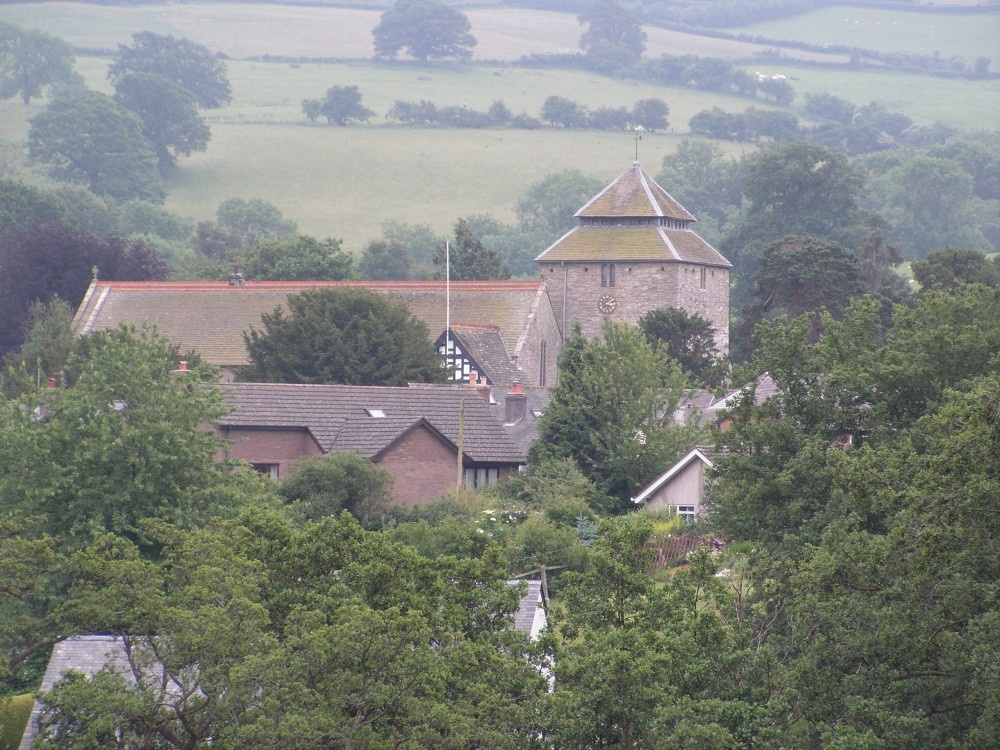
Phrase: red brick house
(416, 433)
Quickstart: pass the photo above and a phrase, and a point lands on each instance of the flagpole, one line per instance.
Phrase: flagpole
(447, 307)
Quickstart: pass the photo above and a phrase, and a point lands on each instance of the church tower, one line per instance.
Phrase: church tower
(633, 250)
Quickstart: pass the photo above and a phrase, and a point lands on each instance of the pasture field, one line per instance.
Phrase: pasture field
(344, 182)
(967, 35)
(251, 30)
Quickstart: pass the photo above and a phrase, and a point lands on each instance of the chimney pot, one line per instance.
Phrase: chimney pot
(52, 383)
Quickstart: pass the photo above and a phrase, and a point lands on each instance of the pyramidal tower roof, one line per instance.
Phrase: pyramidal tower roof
(633, 219)
(634, 193)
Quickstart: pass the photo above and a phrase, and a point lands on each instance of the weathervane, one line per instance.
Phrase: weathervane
(638, 137)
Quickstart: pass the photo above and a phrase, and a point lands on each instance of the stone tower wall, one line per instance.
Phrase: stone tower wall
(639, 288)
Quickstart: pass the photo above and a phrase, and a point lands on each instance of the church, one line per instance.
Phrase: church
(633, 250)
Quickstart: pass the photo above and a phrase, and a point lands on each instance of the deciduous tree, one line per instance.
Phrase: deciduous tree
(337, 482)
(614, 39)
(125, 442)
(191, 66)
(426, 29)
(249, 221)
(30, 60)
(90, 139)
(169, 114)
(951, 267)
(53, 260)
(651, 114)
(341, 103)
(341, 335)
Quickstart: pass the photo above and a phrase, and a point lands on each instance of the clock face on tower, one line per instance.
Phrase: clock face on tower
(607, 304)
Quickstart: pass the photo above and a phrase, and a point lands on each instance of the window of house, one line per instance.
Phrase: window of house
(686, 512)
(481, 477)
(703, 275)
(268, 470)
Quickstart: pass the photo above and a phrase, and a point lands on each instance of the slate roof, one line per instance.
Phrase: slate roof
(525, 431)
(84, 653)
(486, 347)
(635, 196)
(634, 193)
(635, 243)
(210, 317)
(530, 617)
(339, 416)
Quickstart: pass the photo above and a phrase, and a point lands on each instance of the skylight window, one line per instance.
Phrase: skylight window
(375, 413)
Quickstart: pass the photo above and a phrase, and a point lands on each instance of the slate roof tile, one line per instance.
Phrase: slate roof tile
(637, 243)
(339, 418)
(634, 193)
(210, 317)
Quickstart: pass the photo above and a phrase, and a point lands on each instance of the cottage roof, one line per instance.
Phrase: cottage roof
(84, 653)
(369, 419)
(210, 317)
(530, 617)
(487, 349)
(633, 219)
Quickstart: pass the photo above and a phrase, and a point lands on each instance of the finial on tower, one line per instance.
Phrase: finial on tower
(93, 273)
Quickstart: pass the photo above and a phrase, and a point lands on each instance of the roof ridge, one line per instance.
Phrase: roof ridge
(434, 285)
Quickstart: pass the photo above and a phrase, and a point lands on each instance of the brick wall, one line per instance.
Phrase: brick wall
(284, 447)
(423, 466)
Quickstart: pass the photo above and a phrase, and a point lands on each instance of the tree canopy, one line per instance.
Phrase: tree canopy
(53, 260)
(123, 443)
(614, 39)
(298, 259)
(88, 138)
(426, 29)
(169, 114)
(191, 66)
(689, 340)
(248, 221)
(343, 335)
(611, 412)
(470, 260)
(341, 103)
(30, 60)
(951, 267)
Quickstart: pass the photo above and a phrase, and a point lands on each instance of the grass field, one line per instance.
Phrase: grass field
(249, 30)
(344, 182)
(969, 36)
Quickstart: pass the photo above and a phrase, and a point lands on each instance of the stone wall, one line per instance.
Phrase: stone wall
(638, 288)
(542, 340)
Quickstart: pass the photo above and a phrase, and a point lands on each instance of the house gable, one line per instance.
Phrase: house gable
(682, 485)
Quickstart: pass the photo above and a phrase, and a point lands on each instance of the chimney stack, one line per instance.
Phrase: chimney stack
(515, 405)
(480, 384)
